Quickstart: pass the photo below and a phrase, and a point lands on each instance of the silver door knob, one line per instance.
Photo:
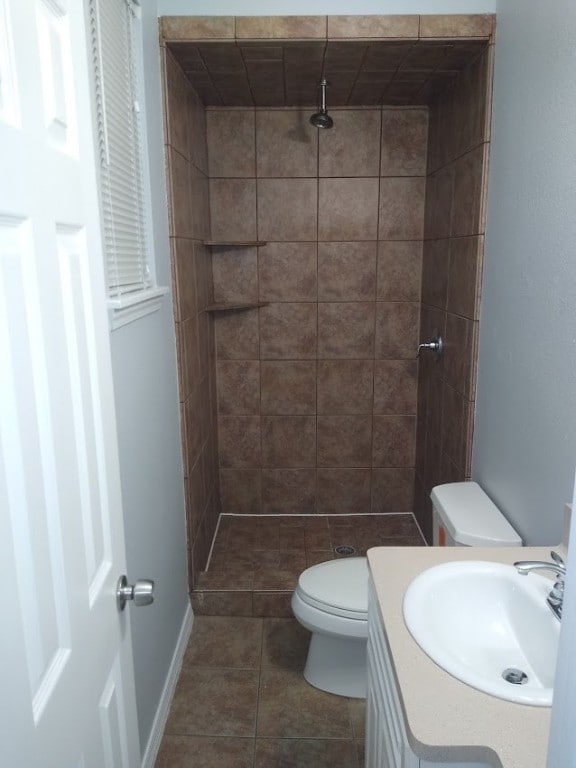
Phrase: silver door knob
(142, 592)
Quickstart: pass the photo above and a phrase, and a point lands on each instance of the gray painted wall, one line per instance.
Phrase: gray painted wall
(316, 7)
(144, 370)
(525, 439)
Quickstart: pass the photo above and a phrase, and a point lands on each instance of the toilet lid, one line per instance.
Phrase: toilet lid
(341, 585)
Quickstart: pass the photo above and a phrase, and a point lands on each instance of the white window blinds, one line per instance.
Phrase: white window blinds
(120, 148)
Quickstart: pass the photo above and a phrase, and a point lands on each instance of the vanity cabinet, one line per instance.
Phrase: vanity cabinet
(386, 737)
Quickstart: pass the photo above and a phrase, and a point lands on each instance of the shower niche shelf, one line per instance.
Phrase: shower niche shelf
(235, 307)
(234, 243)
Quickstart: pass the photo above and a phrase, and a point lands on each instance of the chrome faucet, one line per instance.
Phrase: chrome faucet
(556, 595)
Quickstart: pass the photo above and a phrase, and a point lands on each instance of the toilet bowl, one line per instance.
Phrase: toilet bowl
(331, 599)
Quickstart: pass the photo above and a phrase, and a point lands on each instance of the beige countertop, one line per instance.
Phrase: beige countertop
(446, 719)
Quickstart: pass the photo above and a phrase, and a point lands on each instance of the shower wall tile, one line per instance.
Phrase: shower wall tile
(454, 409)
(372, 26)
(189, 369)
(237, 336)
(464, 276)
(394, 442)
(287, 209)
(459, 359)
(184, 278)
(288, 491)
(179, 194)
(435, 267)
(199, 227)
(347, 271)
(241, 491)
(239, 441)
(438, 26)
(238, 387)
(350, 148)
(233, 209)
(197, 132)
(175, 96)
(392, 490)
(205, 342)
(346, 330)
(288, 441)
(288, 272)
(344, 441)
(432, 462)
(459, 138)
(439, 203)
(468, 204)
(344, 491)
(348, 209)
(395, 386)
(397, 325)
(194, 426)
(399, 270)
(401, 208)
(300, 379)
(203, 269)
(288, 331)
(470, 107)
(195, 497)
(281, 27)
(288, 387)
(234, 131)
(287, 145)
(235, 274)
(197, 27)
(345, 386)
(404, 133)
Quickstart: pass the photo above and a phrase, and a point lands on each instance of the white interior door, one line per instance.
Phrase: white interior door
(67, 686)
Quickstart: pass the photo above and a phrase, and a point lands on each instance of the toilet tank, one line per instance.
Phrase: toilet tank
(464, 516)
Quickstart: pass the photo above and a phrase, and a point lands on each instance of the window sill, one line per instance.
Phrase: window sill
(132, 307)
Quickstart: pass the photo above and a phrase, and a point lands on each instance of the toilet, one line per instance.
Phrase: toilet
(331, 599)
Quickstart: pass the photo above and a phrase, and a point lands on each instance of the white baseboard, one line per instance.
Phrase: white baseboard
(159, 723)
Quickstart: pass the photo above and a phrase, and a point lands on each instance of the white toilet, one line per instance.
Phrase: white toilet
(331, 599)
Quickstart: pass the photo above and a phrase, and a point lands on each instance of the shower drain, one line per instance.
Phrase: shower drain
(344, 549)
(515, 676)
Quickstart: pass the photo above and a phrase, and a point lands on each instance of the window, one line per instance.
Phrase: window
(130, 283)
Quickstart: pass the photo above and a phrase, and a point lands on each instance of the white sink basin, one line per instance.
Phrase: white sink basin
(477, 619)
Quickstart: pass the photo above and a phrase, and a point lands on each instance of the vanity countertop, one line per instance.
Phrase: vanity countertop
(446, 719)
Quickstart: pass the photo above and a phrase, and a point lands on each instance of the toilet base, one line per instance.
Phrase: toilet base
(337, 665)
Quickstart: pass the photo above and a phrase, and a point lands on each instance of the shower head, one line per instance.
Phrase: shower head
(322, 119)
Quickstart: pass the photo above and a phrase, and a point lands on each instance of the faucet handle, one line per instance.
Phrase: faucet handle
(558, 560)
(435, 345)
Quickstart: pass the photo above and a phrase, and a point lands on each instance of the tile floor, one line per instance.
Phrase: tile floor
(256, 560)
(241, 702)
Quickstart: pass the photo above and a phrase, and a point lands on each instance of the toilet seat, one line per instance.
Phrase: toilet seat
(337, 587)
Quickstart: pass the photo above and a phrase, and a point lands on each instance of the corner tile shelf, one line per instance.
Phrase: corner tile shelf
(235, 243)
(235, 307)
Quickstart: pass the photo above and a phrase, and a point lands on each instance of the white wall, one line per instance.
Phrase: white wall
(144, 370)
(525, 438)
(319, 7)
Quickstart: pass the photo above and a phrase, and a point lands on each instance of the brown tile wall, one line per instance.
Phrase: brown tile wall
(454, 228)
(189, 204)
(317, 390)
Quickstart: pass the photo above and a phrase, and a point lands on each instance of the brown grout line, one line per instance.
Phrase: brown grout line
(259, 684)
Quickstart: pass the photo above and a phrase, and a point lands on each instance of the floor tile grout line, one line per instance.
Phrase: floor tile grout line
(262, 635)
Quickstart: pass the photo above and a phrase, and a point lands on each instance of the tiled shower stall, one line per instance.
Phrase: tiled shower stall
(344, 248)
